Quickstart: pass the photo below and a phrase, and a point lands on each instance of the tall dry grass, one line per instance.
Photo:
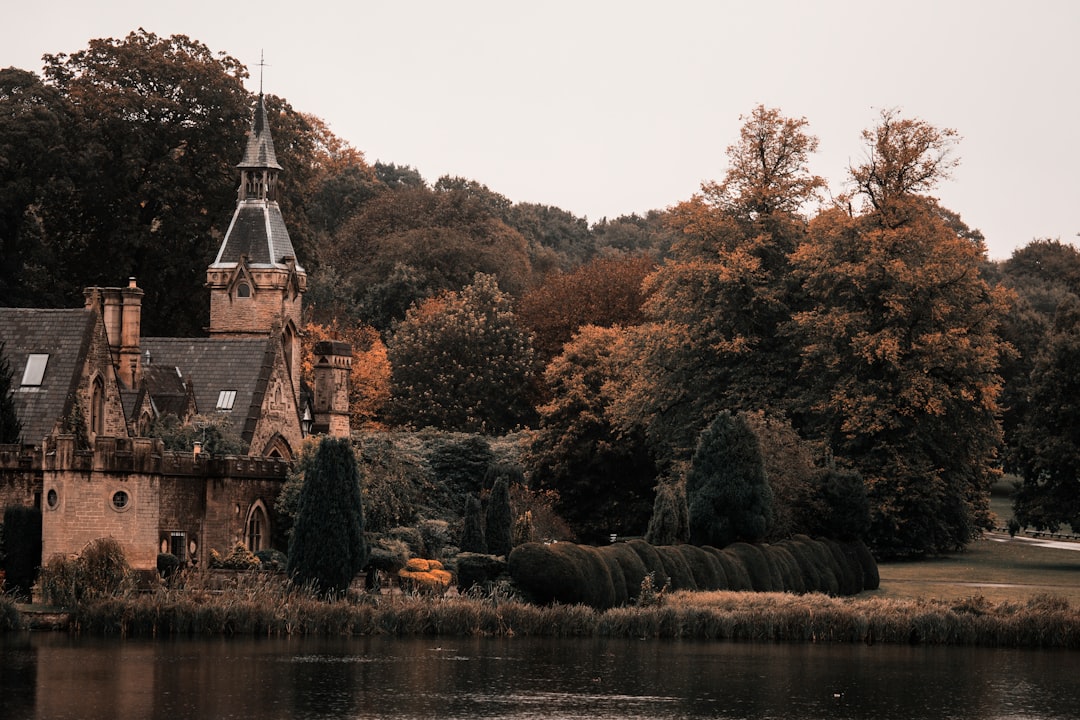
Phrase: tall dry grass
(260, 604)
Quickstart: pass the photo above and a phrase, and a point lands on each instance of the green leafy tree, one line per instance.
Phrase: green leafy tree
(10, 427)
(462, 362)
(154, 127)
(900, 347)
(327, 547)
(604, 478)
(727, 493)
(32, 145)
(1044, 274)
(1047, 449)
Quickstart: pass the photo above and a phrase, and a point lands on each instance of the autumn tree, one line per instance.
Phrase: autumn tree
(717, 302)
(727, 493)
(369, 375)
(327, 547)
(603, 292)
(604, 478)
(1047, 447)
(900, 352)
(462, 362)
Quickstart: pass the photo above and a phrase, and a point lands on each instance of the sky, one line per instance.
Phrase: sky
(608, 108)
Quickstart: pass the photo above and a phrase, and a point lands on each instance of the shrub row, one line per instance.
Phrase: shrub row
(611, 575)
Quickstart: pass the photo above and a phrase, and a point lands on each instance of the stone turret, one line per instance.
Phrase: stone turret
(255, 281)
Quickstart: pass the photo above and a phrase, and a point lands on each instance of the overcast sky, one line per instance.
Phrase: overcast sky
(607, 108)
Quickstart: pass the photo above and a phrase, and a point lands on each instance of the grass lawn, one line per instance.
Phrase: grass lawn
(994, 569)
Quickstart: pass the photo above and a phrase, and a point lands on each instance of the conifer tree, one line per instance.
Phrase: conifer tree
(472, 534)
(669, 523)
(327, 548)
(499, 518)
(727, 493)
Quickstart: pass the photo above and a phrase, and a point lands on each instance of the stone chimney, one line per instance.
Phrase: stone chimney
(333, 361)
(121, 311)
(129, 368)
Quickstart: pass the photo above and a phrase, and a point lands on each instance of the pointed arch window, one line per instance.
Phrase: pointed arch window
(256, 533)
(97, 407)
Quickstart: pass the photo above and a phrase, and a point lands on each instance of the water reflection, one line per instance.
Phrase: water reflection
(57, 676)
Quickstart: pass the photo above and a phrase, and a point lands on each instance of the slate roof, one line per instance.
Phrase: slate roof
(258, 231)
(259, 152)
(64, 335)
(167, 389)
(213, 365)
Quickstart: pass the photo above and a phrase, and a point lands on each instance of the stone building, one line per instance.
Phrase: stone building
(87, 386)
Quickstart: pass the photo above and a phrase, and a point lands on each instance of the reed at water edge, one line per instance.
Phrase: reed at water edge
(265, 604)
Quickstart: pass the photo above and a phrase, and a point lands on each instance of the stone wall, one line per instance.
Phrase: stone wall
(149, 500)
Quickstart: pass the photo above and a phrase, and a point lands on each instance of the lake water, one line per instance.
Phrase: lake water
(53, 675)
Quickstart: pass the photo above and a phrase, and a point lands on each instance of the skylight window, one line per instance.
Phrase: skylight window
(35, 369)
(225, 399)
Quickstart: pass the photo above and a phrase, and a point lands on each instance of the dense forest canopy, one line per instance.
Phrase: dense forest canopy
(864, 334)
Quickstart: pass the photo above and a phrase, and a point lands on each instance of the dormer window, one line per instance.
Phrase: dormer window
(35, 369)
(243, 290)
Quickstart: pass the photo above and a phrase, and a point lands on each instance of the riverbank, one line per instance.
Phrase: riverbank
(998, 593)
(1040, 622)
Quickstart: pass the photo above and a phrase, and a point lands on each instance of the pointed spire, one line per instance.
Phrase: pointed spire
(259, 153)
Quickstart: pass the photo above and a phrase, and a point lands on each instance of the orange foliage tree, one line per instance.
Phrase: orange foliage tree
(369, 378)
(604, 292)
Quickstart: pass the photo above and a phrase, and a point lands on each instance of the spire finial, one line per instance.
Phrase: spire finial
(262, 64)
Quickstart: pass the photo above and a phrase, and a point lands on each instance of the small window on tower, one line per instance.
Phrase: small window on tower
(225, 399)
(243, 290)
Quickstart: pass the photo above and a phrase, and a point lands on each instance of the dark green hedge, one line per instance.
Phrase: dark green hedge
(611, 575)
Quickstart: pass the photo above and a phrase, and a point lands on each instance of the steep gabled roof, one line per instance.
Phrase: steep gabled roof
(63, 335)
(229, 376)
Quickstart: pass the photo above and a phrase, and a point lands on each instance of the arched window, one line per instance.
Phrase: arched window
(243, 290)
(288, 344)
(257, 536)
(97, 407)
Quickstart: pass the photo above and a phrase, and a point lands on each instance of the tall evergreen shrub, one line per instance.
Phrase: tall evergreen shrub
(499, 519)
(327, 548)
(727, 493)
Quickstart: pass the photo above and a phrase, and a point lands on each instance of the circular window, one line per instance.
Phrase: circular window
(120, 500)
(53, 499)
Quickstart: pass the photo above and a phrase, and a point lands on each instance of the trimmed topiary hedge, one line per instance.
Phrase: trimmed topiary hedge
(611, 575)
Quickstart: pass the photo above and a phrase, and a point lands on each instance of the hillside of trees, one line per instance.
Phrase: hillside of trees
(889, 372)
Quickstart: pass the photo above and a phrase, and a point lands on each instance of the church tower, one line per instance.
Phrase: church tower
(256, 284)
